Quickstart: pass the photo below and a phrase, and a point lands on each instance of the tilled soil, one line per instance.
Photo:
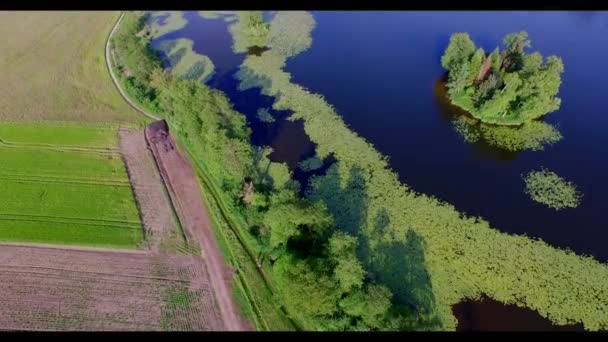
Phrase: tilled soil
(153, 202)
(178, 173)
(67, 289)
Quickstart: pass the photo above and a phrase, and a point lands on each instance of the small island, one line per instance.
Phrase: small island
(509, 87)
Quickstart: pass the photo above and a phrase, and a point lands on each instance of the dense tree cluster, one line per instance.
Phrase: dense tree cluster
(507, 87)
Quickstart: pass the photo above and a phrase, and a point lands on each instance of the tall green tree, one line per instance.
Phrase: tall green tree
(486, 89)
(475, 64)
(496, 60)
(307, 292)
(347, 268)
(515, 43)
(290, 216)
(537, 95)
(252, 23)
(458, 79)
(498, 105)
(459, 50)
(531, 64)
(370, 305)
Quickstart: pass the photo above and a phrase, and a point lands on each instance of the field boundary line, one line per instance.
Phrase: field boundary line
(81, 224)
(35, 179)
(82, 179)
(91, 274)
(68, 218)
(80, 248)
(56, 176)
(107, 125)
(101, 148)
(102, 220)
(59, 149)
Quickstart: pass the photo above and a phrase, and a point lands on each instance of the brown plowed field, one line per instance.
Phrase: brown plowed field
(153, 202)
(178, 173)
(54, 289)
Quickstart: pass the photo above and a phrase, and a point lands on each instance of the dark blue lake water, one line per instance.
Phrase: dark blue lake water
(382, 72)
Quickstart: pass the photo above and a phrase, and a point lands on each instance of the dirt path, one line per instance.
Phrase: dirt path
(183, 187)
(115, 80)
(185, 194)
(152, 200)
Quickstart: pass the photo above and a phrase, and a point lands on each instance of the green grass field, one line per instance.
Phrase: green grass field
(64, 184)
(53, 68)
(47, 133)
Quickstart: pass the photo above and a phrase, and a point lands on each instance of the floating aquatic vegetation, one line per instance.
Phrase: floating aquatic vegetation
(228, 16)
(265, 116)
(290, 32)
(310, 164)
(548, 188)
(163, 22)
(186, 63)
(247, 30)
(464, 256)
(534, 135)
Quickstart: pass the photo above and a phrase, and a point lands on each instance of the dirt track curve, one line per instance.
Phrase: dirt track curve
(180, 180)
(111, 71)
(178, 174)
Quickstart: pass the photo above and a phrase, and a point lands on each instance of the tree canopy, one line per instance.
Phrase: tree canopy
(510, 87)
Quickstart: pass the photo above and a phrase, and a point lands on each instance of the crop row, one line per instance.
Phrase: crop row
(59, 134)
(69, 234)
(103, 202)
(120, 224)
(92, 150)
(55, 289)
(63, 180)
(66, 164)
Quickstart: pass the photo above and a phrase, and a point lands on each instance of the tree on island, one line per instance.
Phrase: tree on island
(253, 23)
(510, 87)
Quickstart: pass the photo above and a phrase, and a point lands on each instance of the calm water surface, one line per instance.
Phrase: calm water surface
(382, 72)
